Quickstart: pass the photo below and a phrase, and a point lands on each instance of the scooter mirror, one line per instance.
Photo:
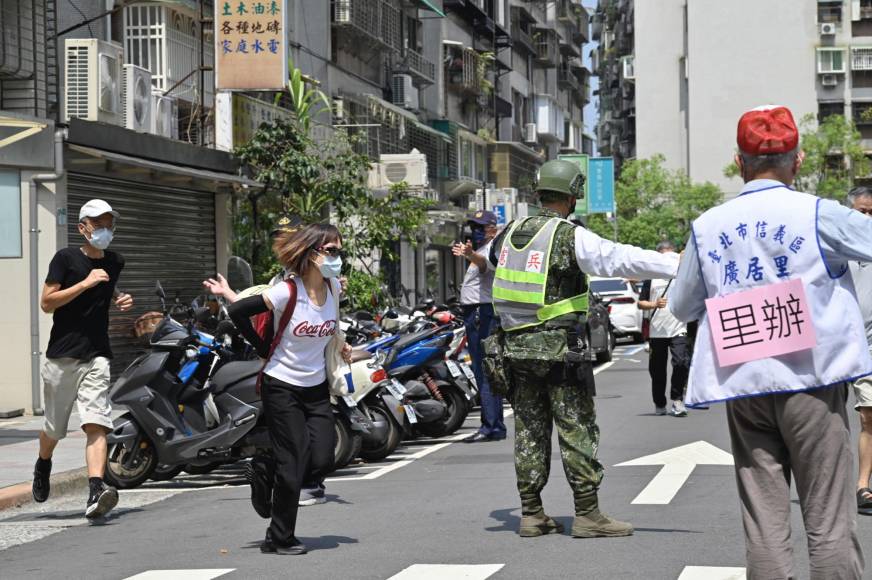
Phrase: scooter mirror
(159, 291)
(239, 274)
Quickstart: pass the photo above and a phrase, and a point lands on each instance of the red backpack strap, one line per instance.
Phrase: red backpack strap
(287, 314)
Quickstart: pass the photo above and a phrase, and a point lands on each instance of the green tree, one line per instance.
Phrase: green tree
(834, 156)
(316, 180)
(655, 203)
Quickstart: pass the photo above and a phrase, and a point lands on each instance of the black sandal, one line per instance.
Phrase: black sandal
(864, 501)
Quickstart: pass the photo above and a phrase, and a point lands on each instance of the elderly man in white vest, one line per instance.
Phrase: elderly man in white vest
(780, 339)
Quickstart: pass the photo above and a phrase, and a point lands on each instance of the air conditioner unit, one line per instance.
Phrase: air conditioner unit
(92, 80)
(405, 94)
(339, 108)
(829, 80)
(530, 134)
(828, 28)
(136, 98)
(164, 115)
(410, 168)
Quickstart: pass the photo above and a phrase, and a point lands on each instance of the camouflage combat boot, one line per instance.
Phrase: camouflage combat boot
(590, 522)
(534, 522)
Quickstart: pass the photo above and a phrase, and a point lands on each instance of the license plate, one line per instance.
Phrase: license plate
(397, 388)
(468, 372)
(349, 400)
(453, 368)
(410, 413)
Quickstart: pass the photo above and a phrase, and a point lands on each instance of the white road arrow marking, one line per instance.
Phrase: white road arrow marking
(443, 571)
(678, 464)
(712, 573)
(202, 574)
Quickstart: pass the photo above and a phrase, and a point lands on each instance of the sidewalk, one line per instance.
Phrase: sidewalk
(18, 450)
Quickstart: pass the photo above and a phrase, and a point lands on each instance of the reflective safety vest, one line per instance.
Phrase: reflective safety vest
(521, 279)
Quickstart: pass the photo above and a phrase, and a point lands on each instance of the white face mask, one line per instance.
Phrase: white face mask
(101, 238)
(331, 266)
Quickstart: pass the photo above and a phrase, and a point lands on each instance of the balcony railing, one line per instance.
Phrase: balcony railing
(463, 71)
(522, 38)
(861, 58)
(420, 66)
(376, 20)
(547, 47)
(566, 78)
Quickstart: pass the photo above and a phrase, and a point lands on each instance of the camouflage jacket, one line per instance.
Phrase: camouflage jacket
(565, 280)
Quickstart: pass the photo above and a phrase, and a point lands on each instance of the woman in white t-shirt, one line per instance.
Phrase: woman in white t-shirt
(294, 391)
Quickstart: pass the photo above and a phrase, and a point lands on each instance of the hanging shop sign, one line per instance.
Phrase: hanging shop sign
(251, 44)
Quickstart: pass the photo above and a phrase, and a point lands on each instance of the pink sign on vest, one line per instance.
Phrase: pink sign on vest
(760, 323)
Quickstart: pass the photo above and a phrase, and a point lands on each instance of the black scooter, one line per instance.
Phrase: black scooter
(191, 403)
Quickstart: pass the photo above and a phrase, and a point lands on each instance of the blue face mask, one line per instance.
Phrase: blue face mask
(331, 266)
(101, 238)
(478, 238)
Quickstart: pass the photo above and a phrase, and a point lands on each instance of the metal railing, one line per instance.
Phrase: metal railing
(861, 58)
(377, 19)
(420, 65)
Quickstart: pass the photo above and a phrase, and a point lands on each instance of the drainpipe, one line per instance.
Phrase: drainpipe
(33, 210)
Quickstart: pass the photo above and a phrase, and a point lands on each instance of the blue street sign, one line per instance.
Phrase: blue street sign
(601, 185)
(500, 211)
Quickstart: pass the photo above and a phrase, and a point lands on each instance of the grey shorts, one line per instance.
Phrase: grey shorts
(863, 392)
(68, 381)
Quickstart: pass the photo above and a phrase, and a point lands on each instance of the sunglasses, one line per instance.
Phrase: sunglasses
(332, 251)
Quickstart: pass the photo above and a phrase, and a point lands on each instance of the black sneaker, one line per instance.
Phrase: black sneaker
(296, 547)
(101, 501)
(41, 480)
(259, 474)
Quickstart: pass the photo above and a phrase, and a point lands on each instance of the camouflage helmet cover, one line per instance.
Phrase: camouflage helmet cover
(561, 176)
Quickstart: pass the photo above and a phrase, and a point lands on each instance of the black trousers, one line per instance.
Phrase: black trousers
(658, 361)
(301, 430)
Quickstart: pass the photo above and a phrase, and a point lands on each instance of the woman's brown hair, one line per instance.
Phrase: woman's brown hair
(294, 250)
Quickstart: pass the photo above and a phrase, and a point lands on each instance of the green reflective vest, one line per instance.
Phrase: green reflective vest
(522, 277)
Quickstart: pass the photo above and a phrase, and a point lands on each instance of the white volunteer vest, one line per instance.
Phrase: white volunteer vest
(767, 236)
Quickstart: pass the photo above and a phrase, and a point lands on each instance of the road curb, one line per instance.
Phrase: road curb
(61, 483)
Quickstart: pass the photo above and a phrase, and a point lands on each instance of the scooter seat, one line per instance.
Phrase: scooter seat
(413, 338)
(358, 355)
(233, 372)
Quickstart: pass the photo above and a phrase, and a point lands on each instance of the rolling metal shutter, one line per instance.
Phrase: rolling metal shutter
(164, 233)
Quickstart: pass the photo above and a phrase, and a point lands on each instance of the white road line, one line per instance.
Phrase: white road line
(632, 350)
(712, 573)
(598, 370)
(202, 574)
(452, 571)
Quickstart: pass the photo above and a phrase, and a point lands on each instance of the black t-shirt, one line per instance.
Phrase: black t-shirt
(81, 327)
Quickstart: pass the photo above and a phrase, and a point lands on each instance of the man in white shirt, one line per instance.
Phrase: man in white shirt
(860, 199)
(478, 317)
(667, 335)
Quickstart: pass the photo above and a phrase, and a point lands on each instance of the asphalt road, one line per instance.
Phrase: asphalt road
(446, 505)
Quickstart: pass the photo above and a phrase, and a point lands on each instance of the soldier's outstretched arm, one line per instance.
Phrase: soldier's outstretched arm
(601, 257)
(843, 234)
(688, 294)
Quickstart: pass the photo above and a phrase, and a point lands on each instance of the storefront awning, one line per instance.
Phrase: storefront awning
(204, 175)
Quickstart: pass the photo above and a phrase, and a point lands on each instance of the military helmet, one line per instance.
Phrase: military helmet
(561, 176)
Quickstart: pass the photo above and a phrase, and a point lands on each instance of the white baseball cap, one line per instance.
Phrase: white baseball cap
(96, 208)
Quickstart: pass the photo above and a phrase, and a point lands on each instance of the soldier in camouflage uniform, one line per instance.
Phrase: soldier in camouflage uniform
(540, 294)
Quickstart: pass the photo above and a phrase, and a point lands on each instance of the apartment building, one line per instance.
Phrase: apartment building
(462, 99)
(111, 109)
(676, 75)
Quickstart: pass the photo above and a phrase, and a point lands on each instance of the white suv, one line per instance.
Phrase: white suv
(623, 303)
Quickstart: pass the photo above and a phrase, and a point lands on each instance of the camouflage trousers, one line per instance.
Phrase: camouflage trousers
(542, 396)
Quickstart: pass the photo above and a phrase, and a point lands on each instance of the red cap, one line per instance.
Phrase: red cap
(767, 130)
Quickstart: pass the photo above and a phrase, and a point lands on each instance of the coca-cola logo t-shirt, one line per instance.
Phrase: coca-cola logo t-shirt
(299, 358)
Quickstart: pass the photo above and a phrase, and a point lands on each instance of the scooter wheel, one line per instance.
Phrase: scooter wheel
(457, 412)
(165, 472)
(139, 468)
(348, 444)
(392, 440)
